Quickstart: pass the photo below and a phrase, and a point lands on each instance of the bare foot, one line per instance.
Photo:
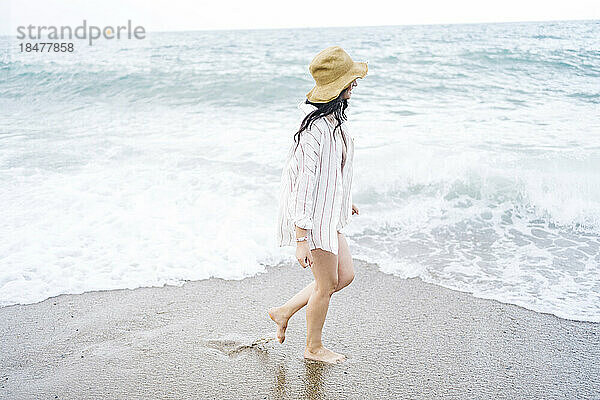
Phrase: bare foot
(279, 317)
(323, 354)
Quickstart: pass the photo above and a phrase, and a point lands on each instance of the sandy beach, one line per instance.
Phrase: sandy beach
(209, 340)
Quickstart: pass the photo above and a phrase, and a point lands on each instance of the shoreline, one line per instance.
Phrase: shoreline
(356, 260)
(211, 339)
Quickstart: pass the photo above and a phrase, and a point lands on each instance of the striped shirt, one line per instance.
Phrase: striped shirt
(315, 190)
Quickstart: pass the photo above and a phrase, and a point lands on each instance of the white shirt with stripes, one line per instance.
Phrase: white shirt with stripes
(315, 191)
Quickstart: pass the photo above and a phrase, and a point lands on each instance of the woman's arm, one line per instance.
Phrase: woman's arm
(307, 154)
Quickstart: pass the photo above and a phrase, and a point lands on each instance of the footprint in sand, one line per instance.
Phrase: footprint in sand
(231, 347)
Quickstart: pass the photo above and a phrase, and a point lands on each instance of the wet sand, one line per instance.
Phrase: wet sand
(207, 340)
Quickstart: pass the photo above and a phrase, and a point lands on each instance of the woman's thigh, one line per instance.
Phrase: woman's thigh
(345, 264)
(325, 269)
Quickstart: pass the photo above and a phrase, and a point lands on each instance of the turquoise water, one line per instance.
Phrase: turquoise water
(140, 163)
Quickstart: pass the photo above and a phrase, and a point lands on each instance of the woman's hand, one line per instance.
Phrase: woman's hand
(354, 209)
(303, 254)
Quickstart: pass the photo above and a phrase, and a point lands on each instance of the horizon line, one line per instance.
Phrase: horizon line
(353, 26)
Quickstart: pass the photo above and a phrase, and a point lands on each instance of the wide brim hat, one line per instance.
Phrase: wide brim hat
(333, 70)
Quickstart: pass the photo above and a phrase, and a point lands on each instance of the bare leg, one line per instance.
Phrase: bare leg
(281, 315)
(345, 264)
(324, 269)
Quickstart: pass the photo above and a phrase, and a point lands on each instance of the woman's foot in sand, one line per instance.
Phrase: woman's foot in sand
(281, 319)
(323, 354)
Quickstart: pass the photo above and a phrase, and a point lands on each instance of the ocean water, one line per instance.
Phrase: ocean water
(152, 162)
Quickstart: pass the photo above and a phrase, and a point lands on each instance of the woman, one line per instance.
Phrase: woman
(316, 201)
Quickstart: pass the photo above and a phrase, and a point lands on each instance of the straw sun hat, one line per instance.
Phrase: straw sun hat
(333, 70)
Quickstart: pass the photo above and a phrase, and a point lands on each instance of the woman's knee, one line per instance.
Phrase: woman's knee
(350, 278)
(327, 288)
(325, 271)
(347, 280)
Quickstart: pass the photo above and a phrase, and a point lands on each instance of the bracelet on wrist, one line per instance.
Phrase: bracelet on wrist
(302, 239)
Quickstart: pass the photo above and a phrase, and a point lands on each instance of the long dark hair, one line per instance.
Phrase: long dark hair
(337, 107)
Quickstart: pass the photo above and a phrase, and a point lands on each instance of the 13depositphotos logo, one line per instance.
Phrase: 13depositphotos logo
(91, 32)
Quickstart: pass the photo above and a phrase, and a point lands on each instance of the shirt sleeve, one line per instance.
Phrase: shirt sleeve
(307, 154)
